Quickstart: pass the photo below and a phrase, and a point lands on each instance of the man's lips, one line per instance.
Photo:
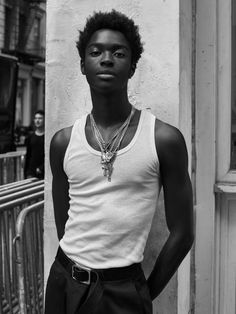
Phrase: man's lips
(106, 74)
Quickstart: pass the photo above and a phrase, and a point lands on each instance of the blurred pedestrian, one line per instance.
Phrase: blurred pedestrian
(34, 161)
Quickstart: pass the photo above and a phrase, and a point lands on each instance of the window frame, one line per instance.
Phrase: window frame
(224, 174)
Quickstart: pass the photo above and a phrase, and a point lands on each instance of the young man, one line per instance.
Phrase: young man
(108, 170)
(34, 161)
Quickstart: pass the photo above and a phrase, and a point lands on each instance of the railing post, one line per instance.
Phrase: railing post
(29, 222)
(19, 262)
(20, 247)
(12, 167)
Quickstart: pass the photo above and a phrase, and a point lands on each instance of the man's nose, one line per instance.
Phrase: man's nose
(107, 59)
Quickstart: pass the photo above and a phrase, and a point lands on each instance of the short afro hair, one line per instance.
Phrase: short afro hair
(111, 20)
(40, 112)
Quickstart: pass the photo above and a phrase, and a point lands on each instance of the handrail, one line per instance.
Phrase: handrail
(21, 200)
(13, 154)
(22, 215)
(17, 195)
(17, 183)
(18, 242)
(19, 188)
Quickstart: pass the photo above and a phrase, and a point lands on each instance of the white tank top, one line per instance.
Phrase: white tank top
(109, 222)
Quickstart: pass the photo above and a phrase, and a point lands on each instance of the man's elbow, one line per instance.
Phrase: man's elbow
(188, 239)
(184, 238)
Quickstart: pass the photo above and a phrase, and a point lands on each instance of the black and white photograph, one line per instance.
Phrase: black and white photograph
(117, 157)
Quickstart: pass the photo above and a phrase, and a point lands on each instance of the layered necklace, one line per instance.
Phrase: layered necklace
(110, 148)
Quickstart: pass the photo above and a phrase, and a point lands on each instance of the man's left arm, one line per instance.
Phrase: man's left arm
(172, 154)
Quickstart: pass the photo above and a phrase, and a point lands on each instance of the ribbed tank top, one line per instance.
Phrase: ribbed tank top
(109, 222)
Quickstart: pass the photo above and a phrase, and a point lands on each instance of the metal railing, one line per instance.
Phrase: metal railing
(29, 253)
(18, 196)
(8, 186)
(20, 187)
(11, 205)
(12, 167)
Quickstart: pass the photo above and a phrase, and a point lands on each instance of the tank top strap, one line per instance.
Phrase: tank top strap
(77, 128)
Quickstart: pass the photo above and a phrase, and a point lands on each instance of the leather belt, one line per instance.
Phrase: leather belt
(88, 276)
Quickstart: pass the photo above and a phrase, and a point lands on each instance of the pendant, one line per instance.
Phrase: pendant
(107, 164)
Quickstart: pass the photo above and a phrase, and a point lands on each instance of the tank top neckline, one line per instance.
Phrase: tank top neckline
(120, 151)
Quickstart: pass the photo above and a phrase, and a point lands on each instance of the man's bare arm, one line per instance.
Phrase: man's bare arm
(60, 186)
(177, 188)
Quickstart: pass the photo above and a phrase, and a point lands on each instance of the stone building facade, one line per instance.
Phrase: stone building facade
(23, 36)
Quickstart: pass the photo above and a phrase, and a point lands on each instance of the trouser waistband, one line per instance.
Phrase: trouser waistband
(96, 276)
(86, 275)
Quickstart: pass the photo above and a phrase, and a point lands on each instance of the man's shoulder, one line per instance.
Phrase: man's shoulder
(168, 138)
(167, 133)
(30, 135)
(61, 138)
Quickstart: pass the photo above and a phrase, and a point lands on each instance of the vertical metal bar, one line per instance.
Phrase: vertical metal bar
(23, 302)
(1, 171)
(1, 264)
(5, 170)
(16, 168)
(31, 264)
(22, 163)
(34, 246)
(39, 230)
(8, 294)
(32, 296)
(39, 277)
(8, 170)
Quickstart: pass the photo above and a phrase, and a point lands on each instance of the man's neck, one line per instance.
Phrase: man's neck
(39, 132)
(110, 109)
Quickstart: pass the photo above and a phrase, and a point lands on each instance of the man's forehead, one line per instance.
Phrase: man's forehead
(108, 36)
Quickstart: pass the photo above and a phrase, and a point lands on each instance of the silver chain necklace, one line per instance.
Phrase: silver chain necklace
(109, 149)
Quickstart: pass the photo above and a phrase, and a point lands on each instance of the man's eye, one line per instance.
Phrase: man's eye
(94, 53)
(119, 54)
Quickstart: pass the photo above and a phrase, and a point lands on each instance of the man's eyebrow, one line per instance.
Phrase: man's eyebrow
(112, 46)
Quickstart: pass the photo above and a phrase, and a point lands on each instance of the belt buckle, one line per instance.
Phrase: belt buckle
(79, 269)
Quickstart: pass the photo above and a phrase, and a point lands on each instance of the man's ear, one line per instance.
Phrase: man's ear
(132, 70)
(82, 66)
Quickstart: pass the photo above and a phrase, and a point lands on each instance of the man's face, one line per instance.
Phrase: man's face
(39, 120)
(107, 63)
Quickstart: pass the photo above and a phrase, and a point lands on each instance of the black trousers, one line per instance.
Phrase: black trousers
(65, 295)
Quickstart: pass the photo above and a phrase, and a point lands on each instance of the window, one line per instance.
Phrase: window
(233, 90)
(36, 33)
(21, 86)
(34, 96)
(7, 35)
(22, 31)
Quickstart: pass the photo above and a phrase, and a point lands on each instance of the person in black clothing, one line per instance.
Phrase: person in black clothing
(34, 162)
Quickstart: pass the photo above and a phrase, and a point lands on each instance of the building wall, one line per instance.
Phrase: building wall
(215, 257)
(155, 85)
(27, 100)
(38, 44)
(2, 20)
